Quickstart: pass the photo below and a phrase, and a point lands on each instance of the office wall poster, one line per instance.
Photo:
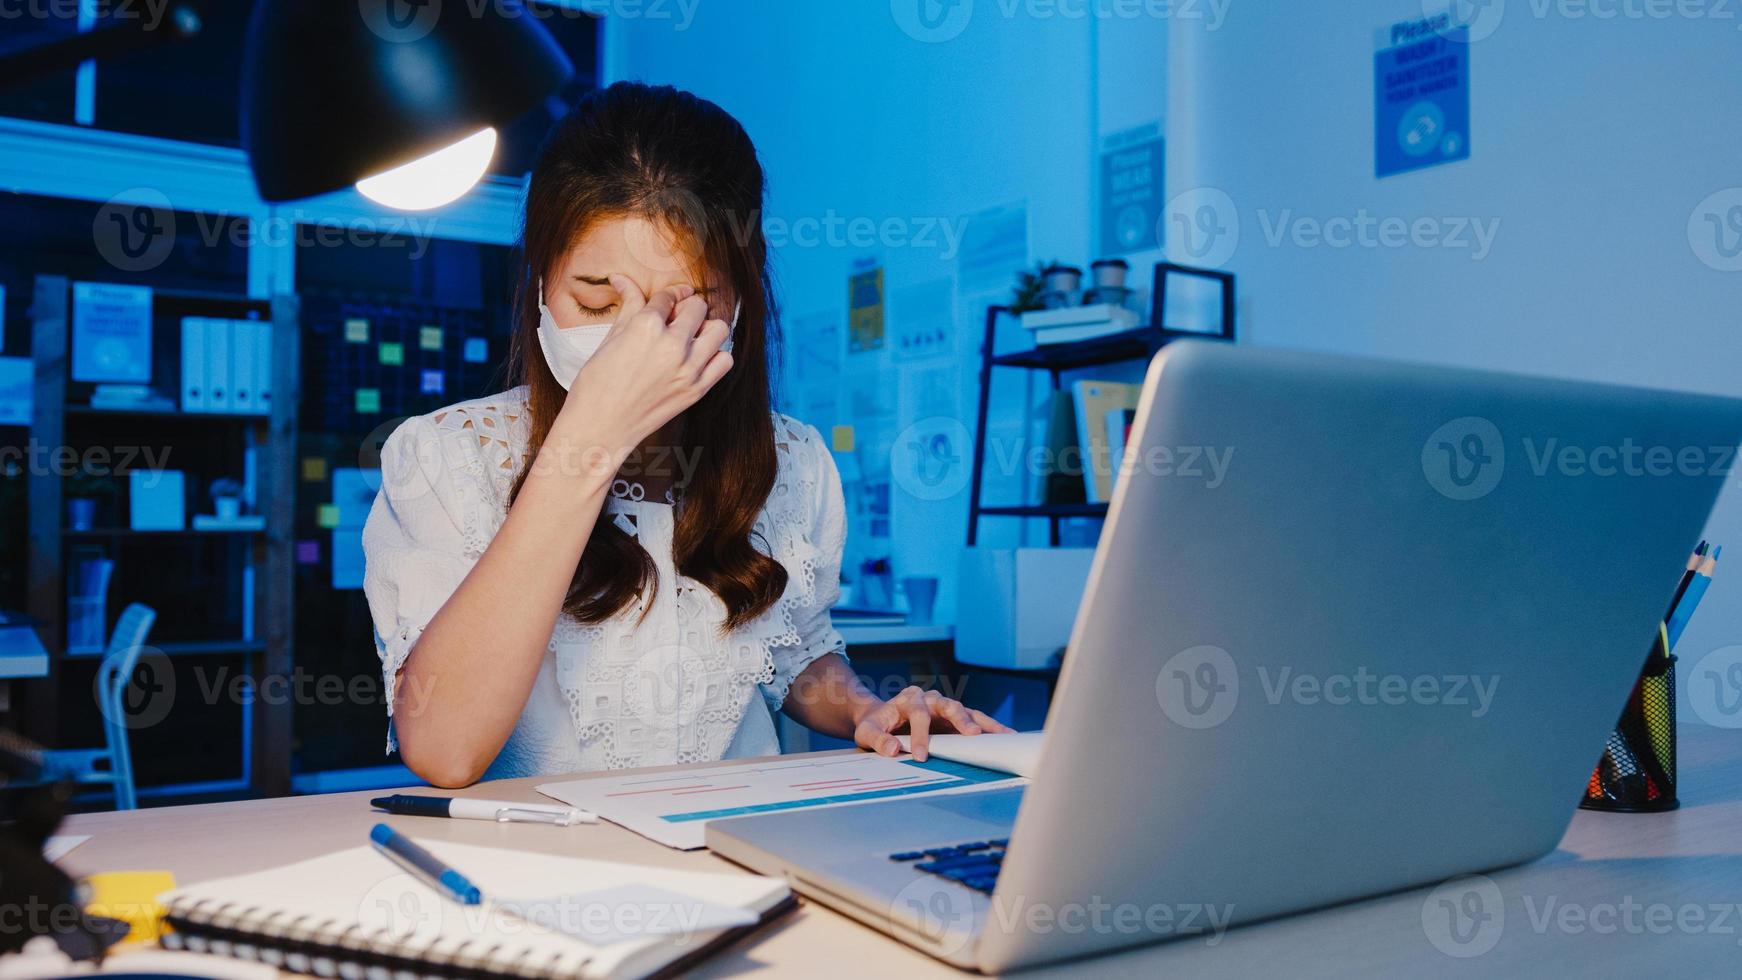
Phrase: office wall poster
(1421, 94)
(815, 369)
(865, 310)
(922, 320)
(930, 458)
(1131, 191)
(111, 332)
(872, 395)
(994, 249)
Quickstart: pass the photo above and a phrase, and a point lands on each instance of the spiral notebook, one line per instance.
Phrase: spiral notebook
(354, 914)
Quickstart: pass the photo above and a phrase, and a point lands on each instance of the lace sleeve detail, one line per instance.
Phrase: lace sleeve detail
(419, 543)
(817, 533)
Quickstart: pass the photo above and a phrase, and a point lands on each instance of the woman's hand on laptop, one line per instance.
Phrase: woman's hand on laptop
(918, 713)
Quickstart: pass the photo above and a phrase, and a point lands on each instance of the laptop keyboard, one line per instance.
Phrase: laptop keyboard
(974, 864)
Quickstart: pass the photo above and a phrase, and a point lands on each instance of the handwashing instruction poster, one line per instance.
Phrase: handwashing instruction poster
(1421, 90)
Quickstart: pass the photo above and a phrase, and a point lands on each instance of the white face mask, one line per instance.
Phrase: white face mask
(568, 349)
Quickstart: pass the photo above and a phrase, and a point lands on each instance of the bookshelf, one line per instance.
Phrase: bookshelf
(1056, 360)
(192, 576)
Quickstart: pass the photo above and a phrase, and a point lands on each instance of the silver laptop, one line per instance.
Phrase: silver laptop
(1378, 643)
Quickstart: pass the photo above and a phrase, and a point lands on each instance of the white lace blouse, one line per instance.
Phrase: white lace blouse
(669, 688)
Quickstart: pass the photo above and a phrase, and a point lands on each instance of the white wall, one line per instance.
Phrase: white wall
(1593, 141)
(857, 118)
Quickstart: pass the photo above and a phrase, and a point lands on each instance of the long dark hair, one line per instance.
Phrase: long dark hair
(684, 163)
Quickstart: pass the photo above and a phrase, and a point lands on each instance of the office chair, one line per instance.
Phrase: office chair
(113, 764)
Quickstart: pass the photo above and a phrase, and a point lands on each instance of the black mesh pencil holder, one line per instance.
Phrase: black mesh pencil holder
(1637, 771)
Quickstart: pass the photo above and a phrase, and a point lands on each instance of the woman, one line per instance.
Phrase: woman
(629, 559)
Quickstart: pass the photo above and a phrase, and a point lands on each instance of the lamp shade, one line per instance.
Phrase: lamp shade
(334, 91)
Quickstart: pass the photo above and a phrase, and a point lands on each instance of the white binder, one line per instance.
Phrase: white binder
(220, 395)
(263, 365)
(194, 396)
(244, 387)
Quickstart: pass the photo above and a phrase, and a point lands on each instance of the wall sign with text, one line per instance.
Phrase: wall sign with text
(1132, 165)
(1421, 93)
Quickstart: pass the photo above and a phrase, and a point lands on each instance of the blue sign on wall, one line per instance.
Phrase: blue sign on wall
(1421, 89)
(1132, 164)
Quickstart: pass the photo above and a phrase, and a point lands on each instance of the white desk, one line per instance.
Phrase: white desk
(1688, 859)
(21, 656)
(868, 634)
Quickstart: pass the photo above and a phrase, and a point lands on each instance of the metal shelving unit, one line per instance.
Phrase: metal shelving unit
(1056, 359)
(265, 741)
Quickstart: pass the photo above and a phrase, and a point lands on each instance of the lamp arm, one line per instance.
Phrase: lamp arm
(181, 21)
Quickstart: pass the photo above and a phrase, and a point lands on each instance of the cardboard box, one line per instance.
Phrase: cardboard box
(1016, 606)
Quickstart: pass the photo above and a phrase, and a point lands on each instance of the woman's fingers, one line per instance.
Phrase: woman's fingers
(918, 710)
(707, 343)
(918, 716)
(876, 731)
(717, 367)
(688, 315)
(956, 714)
(990, 724)
(659, 307)
(629, 297)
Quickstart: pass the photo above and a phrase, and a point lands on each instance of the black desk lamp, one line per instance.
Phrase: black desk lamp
(400, 97)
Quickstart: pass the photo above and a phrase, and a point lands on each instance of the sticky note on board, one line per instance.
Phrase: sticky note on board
(392, 352)
(308, 552)
(368, 401)
(841, 438)
(314, 469)
(476, 351)
(357, 331)
(430, 338)
(432, 382)
(327, 516)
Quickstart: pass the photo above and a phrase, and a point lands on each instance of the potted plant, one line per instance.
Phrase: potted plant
(1110, 273)
(1030, 291)
(227, 498)
(1063, 279)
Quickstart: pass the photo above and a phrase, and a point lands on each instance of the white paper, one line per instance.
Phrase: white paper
(1016, 752)
(60, 845)
(923, 320)
(673, 808)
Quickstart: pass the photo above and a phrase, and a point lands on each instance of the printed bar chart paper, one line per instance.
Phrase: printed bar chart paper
(674, 808)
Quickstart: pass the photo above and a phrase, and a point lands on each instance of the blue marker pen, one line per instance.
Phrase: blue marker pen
(426, 866)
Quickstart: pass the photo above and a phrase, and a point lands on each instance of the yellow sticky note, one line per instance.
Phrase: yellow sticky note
(430, 338)
(327, 516)
(392, 353)
(841, 437)
(368, 401)
(130, 896)
(314, 469)
(357, 331)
